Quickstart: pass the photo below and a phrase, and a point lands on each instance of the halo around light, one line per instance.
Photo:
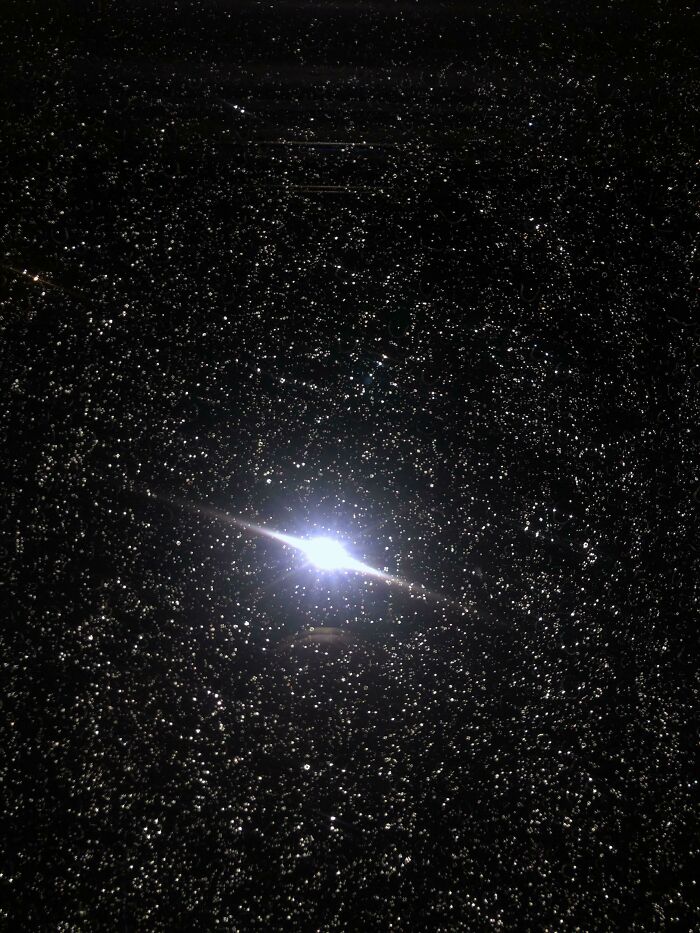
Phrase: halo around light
(323, 552)
(327, 554)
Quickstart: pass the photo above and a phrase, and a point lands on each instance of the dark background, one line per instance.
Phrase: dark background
(466, 344)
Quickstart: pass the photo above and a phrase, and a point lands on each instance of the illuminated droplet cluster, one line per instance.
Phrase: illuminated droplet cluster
(413, 277)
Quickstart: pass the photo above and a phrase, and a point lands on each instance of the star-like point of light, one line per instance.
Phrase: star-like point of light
(327, 553)
(323, 552)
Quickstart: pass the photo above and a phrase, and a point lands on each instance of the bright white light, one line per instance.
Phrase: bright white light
(324, 553)
(327, 554)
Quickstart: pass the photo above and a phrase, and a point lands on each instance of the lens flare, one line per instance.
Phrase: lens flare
(326, 553)
(321, 551)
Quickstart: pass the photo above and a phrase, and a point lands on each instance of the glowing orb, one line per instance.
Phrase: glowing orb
(327, 554)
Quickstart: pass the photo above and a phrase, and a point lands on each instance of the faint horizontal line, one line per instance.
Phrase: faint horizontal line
(333, 188)
(304, 142)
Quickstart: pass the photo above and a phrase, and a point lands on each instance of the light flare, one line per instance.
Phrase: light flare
(323, 552)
